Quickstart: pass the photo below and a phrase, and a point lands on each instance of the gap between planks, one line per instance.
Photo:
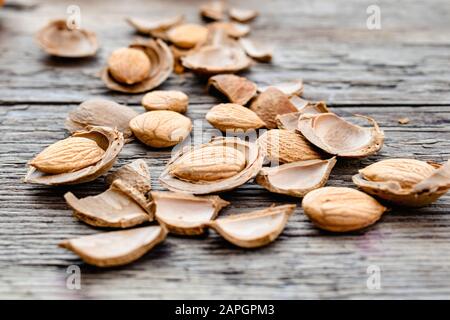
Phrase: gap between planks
(331, 105)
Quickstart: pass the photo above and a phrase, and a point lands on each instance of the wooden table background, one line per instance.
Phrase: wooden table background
(399, 71)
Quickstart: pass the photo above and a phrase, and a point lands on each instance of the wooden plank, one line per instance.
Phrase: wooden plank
(327, 45)
(411, 247)
(399, 71)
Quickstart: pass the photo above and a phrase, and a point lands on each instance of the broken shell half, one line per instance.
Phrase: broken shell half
(405, 182)
(298, 102)
(253, 163)
(296, 178)
(157, 27)
(218, 37)
(341, 209)
(311, 107)
(254, 229)
(111, 209)
(161, 66)
(125, 204)
(100, 112)
(216, 59)
(237, 89)
(57, 39)
(242, 15)
(289, 121)
(213, 10)
(336, 136)
(290, 88)
(186, 214)
(278, 145)
(271, 103)
(257, 50)
(110, 140)
(232, 29)
(116, 248)
(133, 179)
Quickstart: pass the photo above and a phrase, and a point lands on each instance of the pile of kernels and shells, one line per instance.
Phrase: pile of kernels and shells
(271, 136)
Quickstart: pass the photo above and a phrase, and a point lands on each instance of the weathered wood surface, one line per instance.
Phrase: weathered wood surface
(401, 70)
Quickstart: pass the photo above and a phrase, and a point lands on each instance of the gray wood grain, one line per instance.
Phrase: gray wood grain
(398, 71)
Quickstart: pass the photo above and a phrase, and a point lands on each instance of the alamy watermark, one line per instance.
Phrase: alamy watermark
(373, 21)
(373, 281)
(73, 280)
(73, 21)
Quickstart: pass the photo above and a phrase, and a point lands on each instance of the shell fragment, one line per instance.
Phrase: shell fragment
(296, 178)
(254, 229)
(186, 214)
(116, 248)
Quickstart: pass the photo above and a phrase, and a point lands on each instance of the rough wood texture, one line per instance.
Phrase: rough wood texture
(398, 71)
